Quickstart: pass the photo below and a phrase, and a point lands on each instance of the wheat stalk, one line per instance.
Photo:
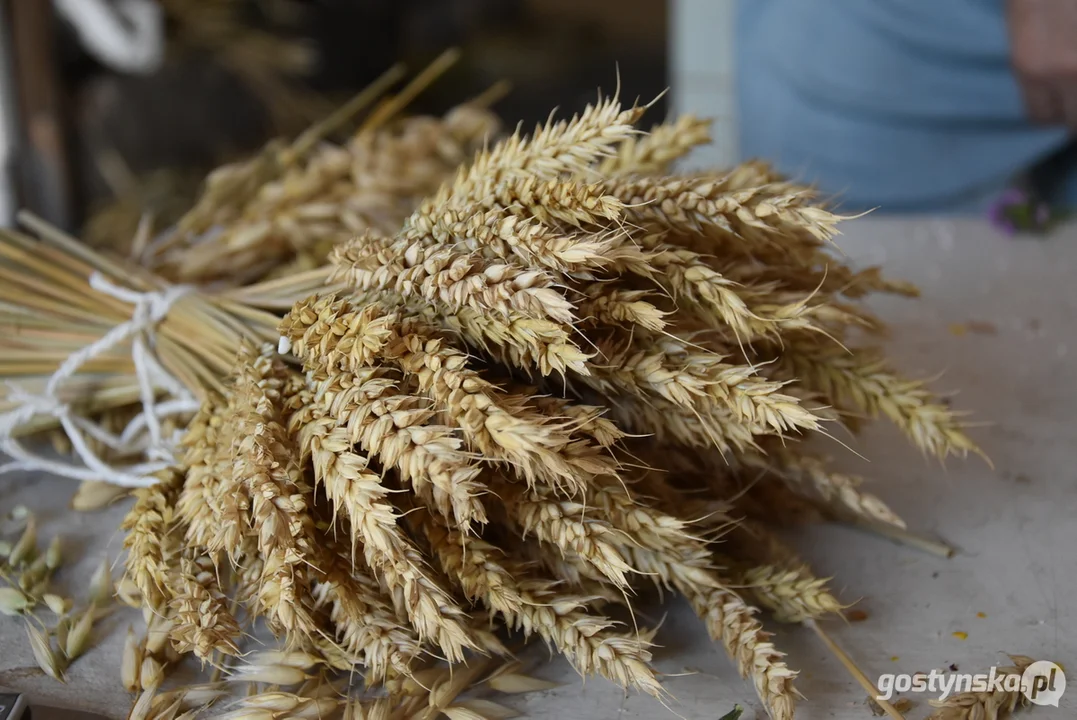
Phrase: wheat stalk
(992, 704)
(730, 621)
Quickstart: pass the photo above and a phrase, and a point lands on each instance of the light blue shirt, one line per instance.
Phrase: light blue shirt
(905, 105)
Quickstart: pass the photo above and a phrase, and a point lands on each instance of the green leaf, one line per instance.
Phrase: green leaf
(733, 714)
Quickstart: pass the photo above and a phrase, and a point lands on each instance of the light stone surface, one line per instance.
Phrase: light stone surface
(997, 320)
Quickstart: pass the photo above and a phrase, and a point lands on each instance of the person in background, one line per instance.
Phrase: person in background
(941, 106)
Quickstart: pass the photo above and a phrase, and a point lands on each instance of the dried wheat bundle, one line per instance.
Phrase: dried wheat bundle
(564, 377)
(113, 356)
(284, 210)
(269, 218)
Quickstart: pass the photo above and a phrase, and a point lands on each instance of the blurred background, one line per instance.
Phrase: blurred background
(95, 120)
(114, 107)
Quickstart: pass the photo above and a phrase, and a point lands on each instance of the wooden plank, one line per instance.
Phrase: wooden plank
(44, 164)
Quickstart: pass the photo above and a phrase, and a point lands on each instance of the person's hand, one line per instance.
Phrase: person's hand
(1043, 37)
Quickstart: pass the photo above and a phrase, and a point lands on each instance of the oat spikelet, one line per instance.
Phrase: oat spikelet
(151, 542)
(203, 622)
(731, 621)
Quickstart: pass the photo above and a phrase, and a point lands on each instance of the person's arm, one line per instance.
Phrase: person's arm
(1044, 49)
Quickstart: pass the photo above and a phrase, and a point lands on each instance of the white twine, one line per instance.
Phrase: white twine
(142, 435)
(125, 35)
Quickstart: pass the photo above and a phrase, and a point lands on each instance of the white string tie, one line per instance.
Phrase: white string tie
(142, 435)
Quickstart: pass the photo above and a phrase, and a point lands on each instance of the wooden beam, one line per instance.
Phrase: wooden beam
(44, 163)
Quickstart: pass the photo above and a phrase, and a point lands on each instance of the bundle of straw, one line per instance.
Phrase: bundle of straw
(567, 376)
(269, 221)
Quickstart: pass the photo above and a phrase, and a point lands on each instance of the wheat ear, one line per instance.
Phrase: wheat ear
(266, 465)
(654, 152)
(564, 147)
(151, 543)
(732, 622)
(793, 594)
(386, 422)
(534, 605)
(864, 380)
(203, 623)
(358, 493)
(207, 458)
(364, 618)
(691, 377)
(990, 705)
(804, 472)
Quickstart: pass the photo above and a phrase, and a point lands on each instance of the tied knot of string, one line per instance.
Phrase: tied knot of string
(143, 434)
